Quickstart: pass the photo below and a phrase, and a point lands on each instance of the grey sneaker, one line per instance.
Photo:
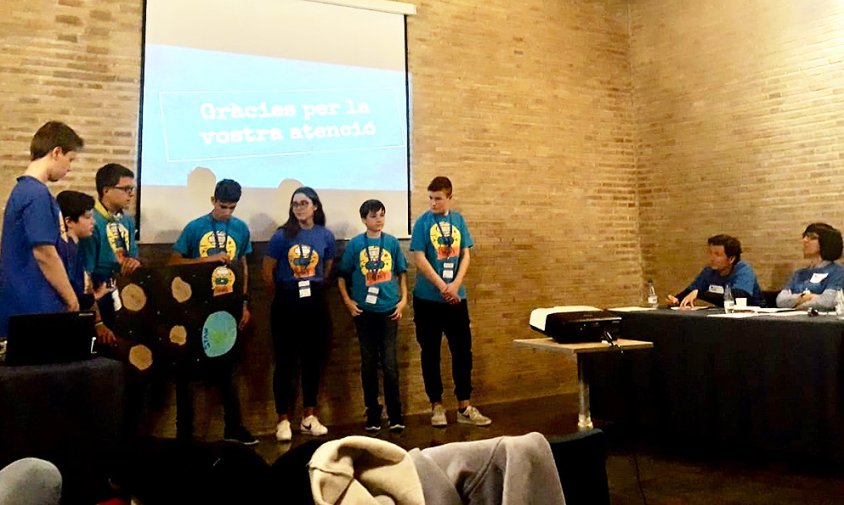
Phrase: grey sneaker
(438, 416)
(473, 416)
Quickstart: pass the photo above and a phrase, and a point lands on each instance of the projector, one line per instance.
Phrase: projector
(576, 324)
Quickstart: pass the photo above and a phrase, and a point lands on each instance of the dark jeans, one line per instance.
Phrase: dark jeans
(223, 379)
(300, 328)
(377, 338)
(432, 319)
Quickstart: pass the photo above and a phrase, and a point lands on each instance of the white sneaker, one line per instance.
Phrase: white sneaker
(438, 416)
(311, 426)
(473, 416)
(283, 433)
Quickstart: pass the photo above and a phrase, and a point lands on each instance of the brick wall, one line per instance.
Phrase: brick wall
(525, 106)
(738, 110)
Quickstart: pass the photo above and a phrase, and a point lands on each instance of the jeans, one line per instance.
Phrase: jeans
(377, 338)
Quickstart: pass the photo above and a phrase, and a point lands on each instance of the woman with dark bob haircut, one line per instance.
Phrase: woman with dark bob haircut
(816, 285)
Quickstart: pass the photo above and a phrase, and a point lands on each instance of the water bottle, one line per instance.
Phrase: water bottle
(653, 300)
(839, 303)
(729, 301)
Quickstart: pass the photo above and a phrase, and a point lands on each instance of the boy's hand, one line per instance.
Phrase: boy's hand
(105, 336)
(245, 318)
(450, 295)
(129, 265)
(396, 315)
(353, 308)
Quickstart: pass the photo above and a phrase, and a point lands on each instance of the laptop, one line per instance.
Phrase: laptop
(41, 339)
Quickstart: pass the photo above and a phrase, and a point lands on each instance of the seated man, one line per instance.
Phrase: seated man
(725, 268)
(816, 285)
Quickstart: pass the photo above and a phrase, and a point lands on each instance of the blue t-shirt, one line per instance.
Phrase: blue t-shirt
(441, 238)
(817, 280)
(710, 282)
(302, 257)
(374, 263)
(32, 218)
(205, 236)
(113, 236)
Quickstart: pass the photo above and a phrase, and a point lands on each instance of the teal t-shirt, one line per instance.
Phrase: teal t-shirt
(114, 236)
(205, 236)
(441, 238)
(374, 263)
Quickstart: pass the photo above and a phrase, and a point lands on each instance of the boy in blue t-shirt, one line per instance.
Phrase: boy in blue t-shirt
(34, 279)
(77, 210)
(375, 266)
(440, 246)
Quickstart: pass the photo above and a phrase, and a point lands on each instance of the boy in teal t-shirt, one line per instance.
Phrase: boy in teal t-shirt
(440, 246)
(376, 268)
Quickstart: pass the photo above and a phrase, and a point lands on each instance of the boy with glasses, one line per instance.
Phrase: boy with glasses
(111, 250)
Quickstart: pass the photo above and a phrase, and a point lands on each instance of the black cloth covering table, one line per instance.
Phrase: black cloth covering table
(70, 414)
(765, 383)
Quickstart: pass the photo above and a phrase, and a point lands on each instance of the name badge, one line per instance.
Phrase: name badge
(115, 299)
(817, 278)
(304, 289)
(714, 288)
(448, 270)
(372, 295)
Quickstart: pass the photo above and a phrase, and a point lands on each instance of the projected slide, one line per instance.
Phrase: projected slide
(274, 94)
(348, 135)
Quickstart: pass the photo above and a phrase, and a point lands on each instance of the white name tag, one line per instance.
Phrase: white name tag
(714, 288)
(372, 295)
(115, 298)
(448, 270)
(817, 278)
(304, 289)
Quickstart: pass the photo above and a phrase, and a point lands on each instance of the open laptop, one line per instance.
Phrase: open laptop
(40, 339)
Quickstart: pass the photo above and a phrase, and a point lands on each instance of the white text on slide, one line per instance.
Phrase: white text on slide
(318, 112)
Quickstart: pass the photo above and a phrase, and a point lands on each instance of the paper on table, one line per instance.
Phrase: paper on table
(736, 315)
(631, 309)
(697, 307)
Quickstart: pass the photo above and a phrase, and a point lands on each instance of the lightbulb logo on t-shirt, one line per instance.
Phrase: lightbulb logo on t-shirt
(447, 242)
(375, 270)
(303, 261)
(208, 245)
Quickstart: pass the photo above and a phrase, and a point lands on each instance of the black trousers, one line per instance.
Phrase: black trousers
(377, 338)
(300, 328)
(432, 319)
(222, 377)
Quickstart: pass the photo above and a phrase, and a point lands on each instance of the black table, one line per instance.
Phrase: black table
(70, 414)
(758, 384)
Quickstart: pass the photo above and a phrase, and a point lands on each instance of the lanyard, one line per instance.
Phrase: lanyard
(225, 235)
(447, 239)
(374, 264)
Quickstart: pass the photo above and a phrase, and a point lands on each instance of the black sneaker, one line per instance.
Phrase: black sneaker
(239, 434)
(397, 426)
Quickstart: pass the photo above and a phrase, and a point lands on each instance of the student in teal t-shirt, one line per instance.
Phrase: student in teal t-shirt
(440, 246)
(217, 237)
(375, 267)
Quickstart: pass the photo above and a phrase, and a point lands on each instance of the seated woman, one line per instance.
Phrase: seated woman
(816, 285)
